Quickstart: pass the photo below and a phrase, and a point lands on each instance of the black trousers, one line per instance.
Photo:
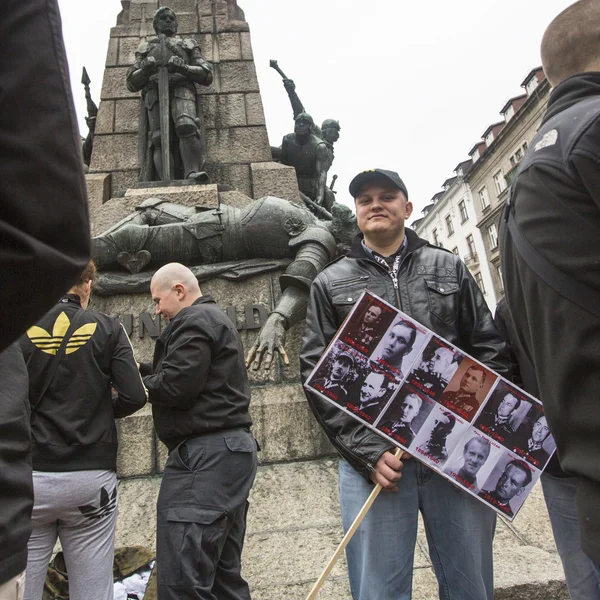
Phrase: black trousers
(201, 509)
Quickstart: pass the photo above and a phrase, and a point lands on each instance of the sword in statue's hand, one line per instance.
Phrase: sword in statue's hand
(163, 105)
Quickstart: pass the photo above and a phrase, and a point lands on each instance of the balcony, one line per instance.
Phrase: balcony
(471, 260)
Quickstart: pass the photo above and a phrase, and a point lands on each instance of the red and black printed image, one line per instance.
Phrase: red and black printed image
(371, 393)
(471, 464)
(405, 416)
(533, 440)
(439, 362)
(503, 414)
(508, 484)
(468, 388)
(399, 347)
(338, 373)
(369, 322)
(438, 437)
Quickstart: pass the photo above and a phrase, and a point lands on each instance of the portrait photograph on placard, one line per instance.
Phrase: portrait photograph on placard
(338, 372)
(399, 347)
(504, 412)
(405, 416)
(438, 437)
(468, 388)
(508, 484)
(532, 440)
(370, 394)
(370, 320)
(471, 463)
(437, 365)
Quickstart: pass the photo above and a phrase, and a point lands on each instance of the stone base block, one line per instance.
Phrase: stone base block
(275, 179)
(136, 446)
(206, 196)
(284, 426)
(98, 191)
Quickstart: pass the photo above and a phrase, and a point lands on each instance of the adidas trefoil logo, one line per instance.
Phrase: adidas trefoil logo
(50, 343)
(108, 503)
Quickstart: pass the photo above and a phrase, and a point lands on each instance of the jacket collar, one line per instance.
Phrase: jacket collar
(70, 299)
(414, 242)
(572, 90)
(164, 334)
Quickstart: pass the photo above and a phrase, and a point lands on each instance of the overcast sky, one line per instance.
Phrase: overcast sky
(413, 84)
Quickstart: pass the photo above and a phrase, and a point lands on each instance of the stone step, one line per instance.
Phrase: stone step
(294, 528)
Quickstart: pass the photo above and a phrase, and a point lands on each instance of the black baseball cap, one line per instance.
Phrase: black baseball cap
(374, 174)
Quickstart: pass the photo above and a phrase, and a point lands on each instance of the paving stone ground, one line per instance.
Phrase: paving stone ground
(294, 528)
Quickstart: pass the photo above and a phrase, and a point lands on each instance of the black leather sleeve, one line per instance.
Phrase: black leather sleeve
(358, 445)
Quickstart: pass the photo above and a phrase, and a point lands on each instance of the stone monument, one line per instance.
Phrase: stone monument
(247, 234)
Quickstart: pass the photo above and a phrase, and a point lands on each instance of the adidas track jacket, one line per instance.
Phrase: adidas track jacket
(73, 424)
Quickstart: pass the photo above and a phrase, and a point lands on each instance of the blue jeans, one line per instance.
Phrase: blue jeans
(459, 529)
(583, 579)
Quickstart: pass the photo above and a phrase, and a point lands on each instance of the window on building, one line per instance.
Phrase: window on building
(531, 85)
(464, 215)
(499, 270)
(449, 225)
(455, 251)
(471, 245)
(525, 146)
(493, 236)
(484, 198)
(499, 181)
(436, 239)
(489, 138)
(479, 281)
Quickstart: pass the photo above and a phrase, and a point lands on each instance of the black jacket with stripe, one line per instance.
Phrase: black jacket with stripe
(73, 424)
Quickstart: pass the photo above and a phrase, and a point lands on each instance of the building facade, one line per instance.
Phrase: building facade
(450, 221)
(495, 162)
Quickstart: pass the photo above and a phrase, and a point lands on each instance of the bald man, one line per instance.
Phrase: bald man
(550, 251)
(199, 391)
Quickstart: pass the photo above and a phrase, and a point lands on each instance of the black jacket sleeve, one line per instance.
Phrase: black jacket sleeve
(361, 447)
(478, 334)
(184, 370)
(44, 224)
(125, 377)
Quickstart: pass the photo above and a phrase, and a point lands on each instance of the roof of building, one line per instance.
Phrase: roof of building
(478, 146)
(427, 208)
(495, 129)
(449, 182)
(515, 102)
(465, 165)
(537, 71)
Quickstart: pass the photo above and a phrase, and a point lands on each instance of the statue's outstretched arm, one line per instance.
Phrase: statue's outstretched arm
(290, 88)
(290, 309)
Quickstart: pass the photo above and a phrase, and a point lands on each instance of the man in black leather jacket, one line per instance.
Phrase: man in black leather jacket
(434, 287)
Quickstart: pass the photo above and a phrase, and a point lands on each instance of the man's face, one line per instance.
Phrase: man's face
(166, 301)
(397, 343)
(471, 381)
(410, 409)
(441, 427)
(475, 455)
(540, 430)
(302, 126)
(508, 404)
(381, 209)
(331, 134)
(440, 361)
(510, 483)
(372, 388)
(167, 23)
(372, 315)
(340, 369)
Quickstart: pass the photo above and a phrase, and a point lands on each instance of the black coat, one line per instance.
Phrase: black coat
(556, 198)
(16, 485)
(435, 288)
(199, 382)
(44, 223)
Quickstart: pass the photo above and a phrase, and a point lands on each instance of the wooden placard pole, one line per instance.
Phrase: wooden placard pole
(361, 515)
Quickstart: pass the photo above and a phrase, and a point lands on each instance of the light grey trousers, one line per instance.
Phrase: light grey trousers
(80, 508)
